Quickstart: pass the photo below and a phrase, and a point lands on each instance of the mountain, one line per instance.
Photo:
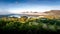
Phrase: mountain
(35, 13)
(53, 12)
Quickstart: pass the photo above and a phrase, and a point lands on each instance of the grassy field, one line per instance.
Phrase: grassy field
(29, 25)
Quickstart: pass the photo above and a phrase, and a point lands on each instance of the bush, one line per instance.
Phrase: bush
(30, 24)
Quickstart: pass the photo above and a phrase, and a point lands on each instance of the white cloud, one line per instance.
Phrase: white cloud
(4, 12)
(30, 8)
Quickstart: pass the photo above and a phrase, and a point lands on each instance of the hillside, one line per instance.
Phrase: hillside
(53, 12)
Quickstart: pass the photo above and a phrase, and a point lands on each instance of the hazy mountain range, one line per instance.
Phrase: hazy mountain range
(51, 12)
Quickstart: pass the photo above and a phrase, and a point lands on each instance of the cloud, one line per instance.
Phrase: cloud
(4, 12)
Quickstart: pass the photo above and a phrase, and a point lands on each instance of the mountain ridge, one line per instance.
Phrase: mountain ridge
(53, 12)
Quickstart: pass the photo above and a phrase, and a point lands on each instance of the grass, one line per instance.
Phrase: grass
(41, 25)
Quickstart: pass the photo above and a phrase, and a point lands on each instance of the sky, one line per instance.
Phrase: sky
(17, 6)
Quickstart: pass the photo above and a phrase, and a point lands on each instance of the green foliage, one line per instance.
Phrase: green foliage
(41, 23)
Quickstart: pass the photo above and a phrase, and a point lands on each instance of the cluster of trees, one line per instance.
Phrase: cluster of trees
(25, 23)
